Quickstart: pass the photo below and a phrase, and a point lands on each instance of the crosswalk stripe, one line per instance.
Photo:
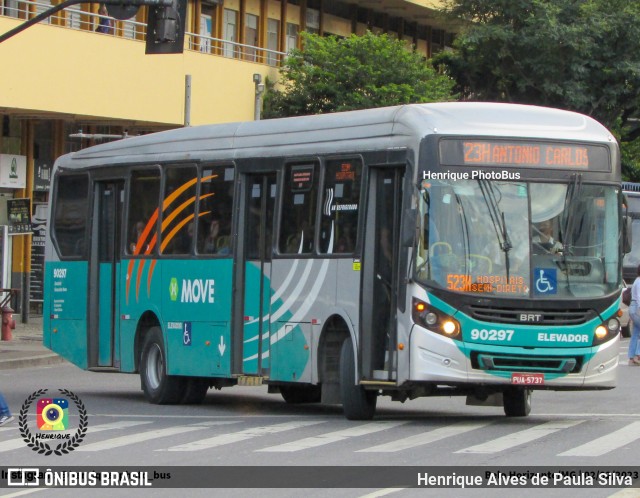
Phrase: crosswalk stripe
(122, 424)
(426, 437)
(235, 437)
(118, 442)
(520, 437)
(14, 444)
(333, 437)
(605, 444)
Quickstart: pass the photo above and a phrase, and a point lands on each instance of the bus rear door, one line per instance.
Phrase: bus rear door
(259, 203)
(104, 258)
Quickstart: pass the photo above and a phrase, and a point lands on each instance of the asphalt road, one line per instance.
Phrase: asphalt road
(246, 426)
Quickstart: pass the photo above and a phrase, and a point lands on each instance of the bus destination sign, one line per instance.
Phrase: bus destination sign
(470, 152)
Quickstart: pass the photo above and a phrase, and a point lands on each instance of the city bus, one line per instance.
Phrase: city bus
(445, 249)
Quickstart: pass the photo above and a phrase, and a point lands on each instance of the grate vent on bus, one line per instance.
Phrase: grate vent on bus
(530, 317)
(550, 364)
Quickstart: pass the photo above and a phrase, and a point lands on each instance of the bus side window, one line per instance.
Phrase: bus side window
(178, 216)
(215, 206)
(341, 206)
(70, 216)
(144, 193)
(299, 209)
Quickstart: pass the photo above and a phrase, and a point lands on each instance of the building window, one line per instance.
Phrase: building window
(292, 36)
(230, 32)
(206, 25)
(313, 21)
(251, 36)
(11, 8)
(273, 34)
(74, 18)
(41, 6)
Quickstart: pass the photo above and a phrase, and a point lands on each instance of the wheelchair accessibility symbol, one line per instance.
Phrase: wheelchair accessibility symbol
(186, 334)
(546, 280)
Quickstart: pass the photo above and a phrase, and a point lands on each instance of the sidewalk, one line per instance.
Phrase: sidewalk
(26, 349)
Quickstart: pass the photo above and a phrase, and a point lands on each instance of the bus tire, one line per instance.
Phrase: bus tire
(357, 403)
(195, 390)
(158, 387)
(516, 402)
(301, 394)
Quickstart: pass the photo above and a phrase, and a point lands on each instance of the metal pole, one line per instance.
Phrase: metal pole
(187, 100)
(257, 105)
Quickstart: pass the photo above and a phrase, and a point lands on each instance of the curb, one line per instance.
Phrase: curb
(31, 361)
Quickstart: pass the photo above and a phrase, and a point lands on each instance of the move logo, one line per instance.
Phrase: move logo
(196, 290)
(173, 289)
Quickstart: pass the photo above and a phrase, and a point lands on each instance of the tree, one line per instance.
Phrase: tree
(582, 55)
(356, 72)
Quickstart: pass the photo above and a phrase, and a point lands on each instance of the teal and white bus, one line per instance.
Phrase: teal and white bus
(440, 249)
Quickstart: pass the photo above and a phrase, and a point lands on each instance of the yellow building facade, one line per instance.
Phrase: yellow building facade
(66, 86)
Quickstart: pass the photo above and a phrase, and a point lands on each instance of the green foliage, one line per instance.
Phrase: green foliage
(357, 72)
(582, 55)
(630, 152)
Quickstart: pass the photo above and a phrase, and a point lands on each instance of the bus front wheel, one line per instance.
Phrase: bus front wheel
(158, 387)
(517, 402)
(357, 403)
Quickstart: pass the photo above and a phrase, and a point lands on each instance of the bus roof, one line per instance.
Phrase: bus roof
(380, 128)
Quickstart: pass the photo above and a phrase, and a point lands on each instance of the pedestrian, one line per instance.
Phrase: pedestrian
(105, 25)
(5, 413)
(634, 314)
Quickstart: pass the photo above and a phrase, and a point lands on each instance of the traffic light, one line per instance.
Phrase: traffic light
(165, 28)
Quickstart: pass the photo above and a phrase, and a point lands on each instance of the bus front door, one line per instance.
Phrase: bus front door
(378, 333)
(104, 258)
(260, 196)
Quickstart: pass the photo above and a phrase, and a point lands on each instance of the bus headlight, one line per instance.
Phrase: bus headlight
(606, 331)
(426, 316)
(601, 332)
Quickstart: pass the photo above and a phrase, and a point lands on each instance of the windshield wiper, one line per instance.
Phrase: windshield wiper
(573, 192)
(497, 219)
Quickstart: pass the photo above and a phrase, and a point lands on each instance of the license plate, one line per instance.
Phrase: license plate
(527, 379)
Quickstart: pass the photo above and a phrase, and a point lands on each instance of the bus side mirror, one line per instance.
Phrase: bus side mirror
(409, 228)
(627, 224)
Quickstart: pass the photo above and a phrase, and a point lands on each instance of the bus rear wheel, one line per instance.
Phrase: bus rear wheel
(357, 403)
(516, 402)
(301, 394)
(158, 387)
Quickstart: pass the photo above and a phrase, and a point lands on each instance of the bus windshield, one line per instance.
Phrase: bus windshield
(519, 239)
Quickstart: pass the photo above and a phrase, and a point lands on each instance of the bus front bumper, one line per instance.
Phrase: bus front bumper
(439, 359)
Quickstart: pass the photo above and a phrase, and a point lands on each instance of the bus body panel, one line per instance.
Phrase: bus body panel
(305, 293)
(66, 310)
(197, 295)
(192, 300)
